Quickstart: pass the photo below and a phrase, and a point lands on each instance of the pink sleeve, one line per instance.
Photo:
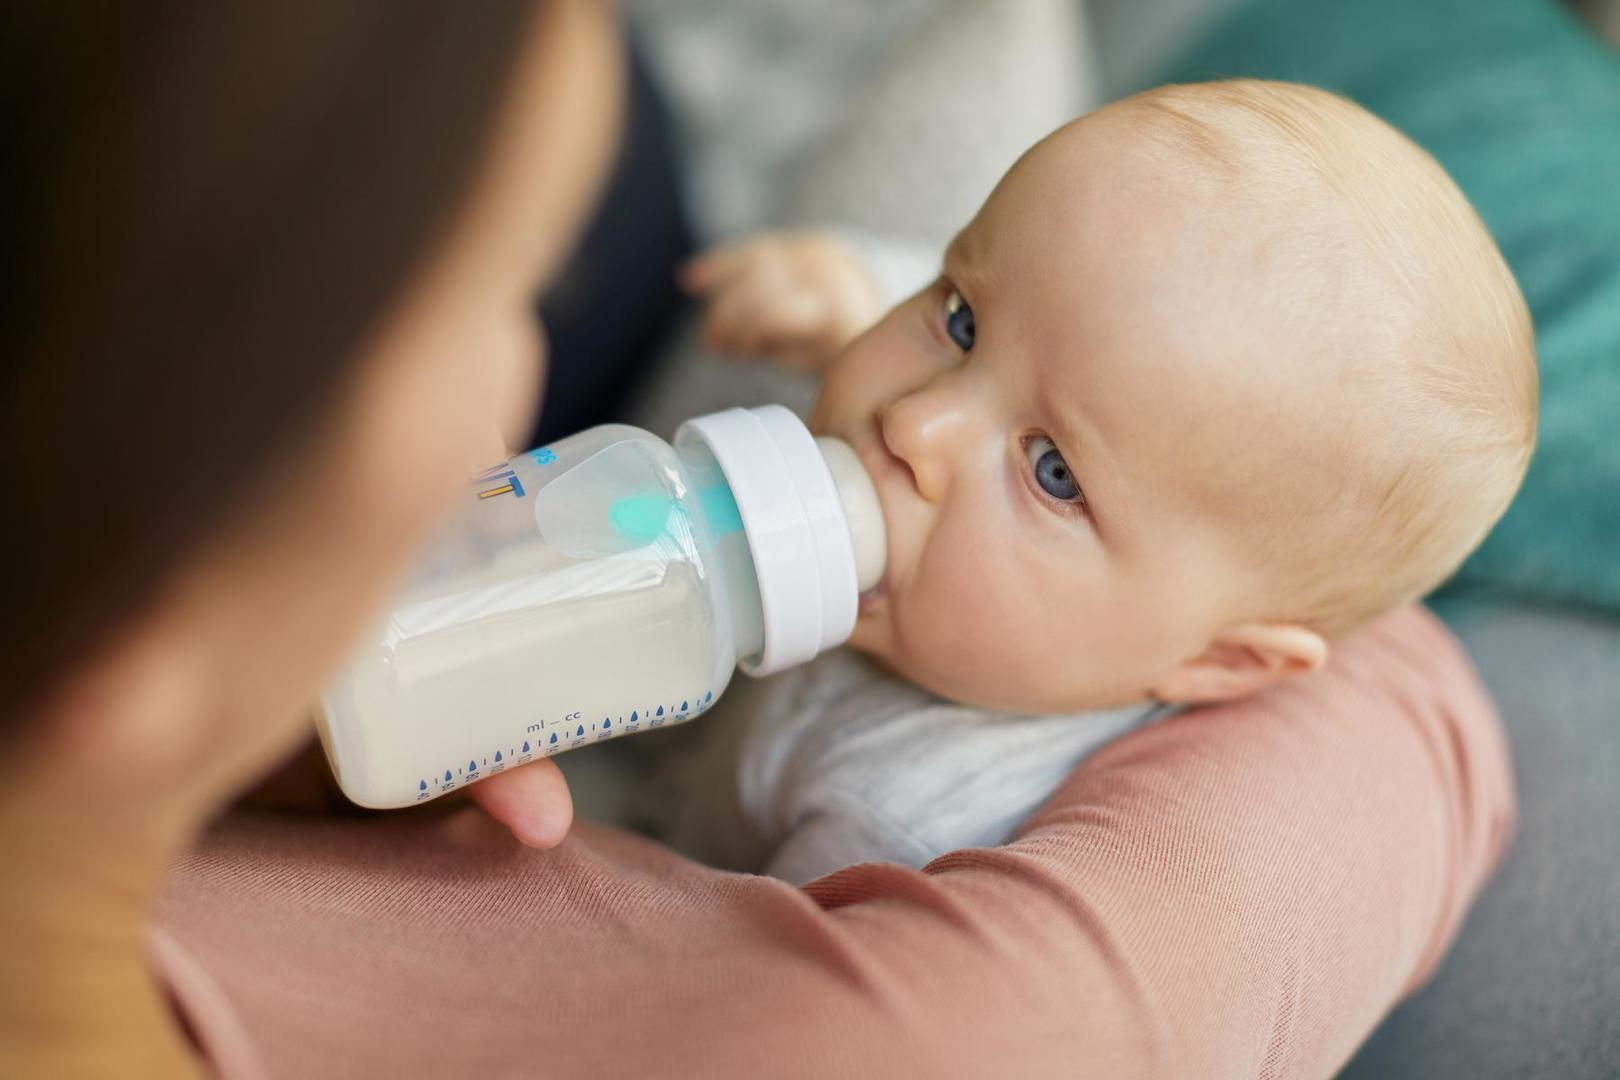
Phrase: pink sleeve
(1242, 891)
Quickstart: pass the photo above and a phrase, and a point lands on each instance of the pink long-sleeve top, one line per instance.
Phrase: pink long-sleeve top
(1242, 891)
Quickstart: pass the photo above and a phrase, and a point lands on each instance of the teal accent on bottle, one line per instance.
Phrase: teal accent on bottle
(642, 519)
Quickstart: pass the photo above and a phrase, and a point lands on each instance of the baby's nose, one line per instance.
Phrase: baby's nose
(925, 430)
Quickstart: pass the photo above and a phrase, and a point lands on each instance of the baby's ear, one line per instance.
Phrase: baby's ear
(1243, 660)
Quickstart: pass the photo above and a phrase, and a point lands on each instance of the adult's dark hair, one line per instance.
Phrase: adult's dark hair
(207, 206)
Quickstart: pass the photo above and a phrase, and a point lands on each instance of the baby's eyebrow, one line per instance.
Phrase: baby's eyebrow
(960, 263)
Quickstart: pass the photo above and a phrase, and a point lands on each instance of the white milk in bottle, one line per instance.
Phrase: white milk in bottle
(603, 585)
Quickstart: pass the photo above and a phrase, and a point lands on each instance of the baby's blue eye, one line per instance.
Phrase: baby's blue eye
(1052, 473)
(959, 321)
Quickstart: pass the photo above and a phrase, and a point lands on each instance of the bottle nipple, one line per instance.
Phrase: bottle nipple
(862, 511)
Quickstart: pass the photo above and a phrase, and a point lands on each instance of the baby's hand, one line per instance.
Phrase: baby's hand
(795, 297)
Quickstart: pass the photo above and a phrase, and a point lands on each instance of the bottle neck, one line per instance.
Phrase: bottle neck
(731, 563)
(736, 569)
(811, 538)
(863, 514)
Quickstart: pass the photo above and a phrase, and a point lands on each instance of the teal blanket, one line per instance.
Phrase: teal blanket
(1522, 105)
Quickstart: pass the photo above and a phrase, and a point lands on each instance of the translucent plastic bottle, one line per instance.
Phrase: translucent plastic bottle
(606, 584)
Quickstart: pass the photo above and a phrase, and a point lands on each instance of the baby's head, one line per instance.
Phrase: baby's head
(1218, 373)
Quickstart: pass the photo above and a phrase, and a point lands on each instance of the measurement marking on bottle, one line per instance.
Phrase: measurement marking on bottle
(557, 741)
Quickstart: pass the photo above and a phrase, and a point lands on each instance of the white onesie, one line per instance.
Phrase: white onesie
(837, 763)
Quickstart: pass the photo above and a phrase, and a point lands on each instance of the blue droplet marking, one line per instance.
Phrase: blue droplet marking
(632, 716)
(579, 731)
(554, 737)
(684, 706)
(709, 696)
(497, 755)
(447, 776)
(472, 766)
(606, 723)
(525, 748)
(423, 786)
(660, 711)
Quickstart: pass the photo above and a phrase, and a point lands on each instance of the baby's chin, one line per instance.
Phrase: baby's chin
(874, 634)
(869, 636)
(875, 637)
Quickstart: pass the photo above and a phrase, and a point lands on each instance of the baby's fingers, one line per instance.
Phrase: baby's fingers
(743, 314)
(704, 273)
(794, 324)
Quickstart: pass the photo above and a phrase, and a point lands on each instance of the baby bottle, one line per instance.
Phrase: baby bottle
(606, 584)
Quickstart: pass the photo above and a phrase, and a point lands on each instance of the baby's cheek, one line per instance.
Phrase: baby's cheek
(965, 620)
(991, 622)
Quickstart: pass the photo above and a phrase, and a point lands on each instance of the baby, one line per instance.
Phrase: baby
(1217, 374)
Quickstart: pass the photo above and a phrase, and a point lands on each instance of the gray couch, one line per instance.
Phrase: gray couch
(1532, 988)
